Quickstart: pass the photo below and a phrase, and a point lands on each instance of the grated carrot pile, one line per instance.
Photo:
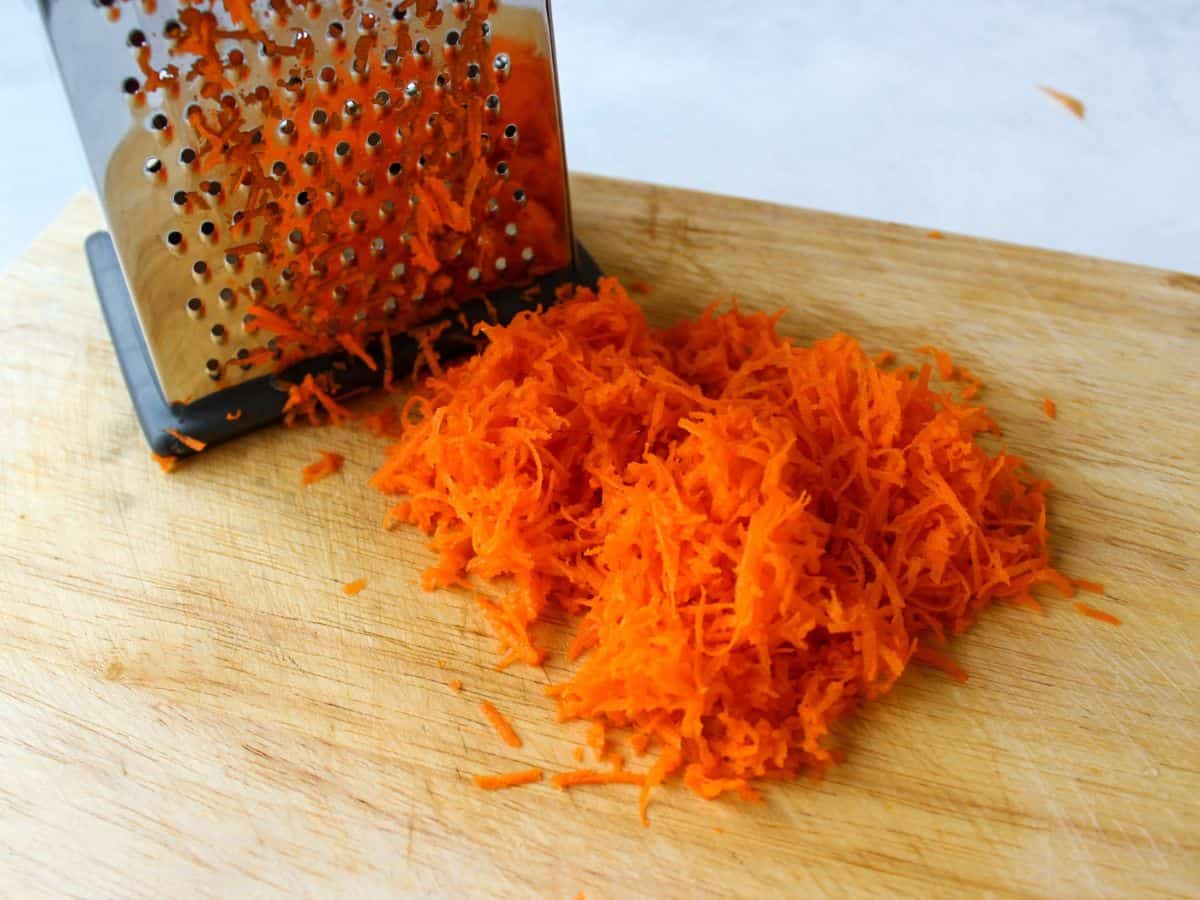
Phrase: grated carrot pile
(753, 534)
(328, 464)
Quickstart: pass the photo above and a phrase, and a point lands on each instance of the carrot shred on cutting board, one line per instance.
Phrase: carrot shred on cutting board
(502, 725)
(190, 442)
(355, 587)
(1092, 612)
(1049, 408)
(328, 464)
(1073, 104)
(508, 780)
(233, 416)
(751, 534)
(166, 463)
(931, 657)
(455, 685)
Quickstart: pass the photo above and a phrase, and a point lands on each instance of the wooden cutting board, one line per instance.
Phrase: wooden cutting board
(190, 706)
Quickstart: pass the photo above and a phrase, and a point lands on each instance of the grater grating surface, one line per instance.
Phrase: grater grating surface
(289, 182)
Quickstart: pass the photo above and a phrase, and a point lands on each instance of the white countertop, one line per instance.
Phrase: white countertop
(925, 112)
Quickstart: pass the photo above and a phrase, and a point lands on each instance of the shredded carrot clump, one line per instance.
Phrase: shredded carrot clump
(1092, 612)
(328, 464)
(313, 399)
(502, 725)
(354, 587)
(510, 779)
(1049, 408)
(753, 534)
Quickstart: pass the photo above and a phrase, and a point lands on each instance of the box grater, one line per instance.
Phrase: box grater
(293, 187)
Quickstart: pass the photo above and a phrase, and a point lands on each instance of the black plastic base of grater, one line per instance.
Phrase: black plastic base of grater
(261, 399)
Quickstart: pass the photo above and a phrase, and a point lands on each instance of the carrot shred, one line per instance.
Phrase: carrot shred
(455, 685)
(507, 780)
(354, 587)
(579, 777)
(166, 463)
(190, 442)
(1092, 612)
(750, 535)
(328, 464)
(935, 234)
(931, 657)
(886, 358)
(1092, 587)
(502, 725)
(1049, 408)
(1073, 104)
(233, 416)
(640, 287)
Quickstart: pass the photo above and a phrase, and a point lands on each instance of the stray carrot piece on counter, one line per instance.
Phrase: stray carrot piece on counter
(1098, 614)
(1092, 587)
(508, 780)
(886, 358)
(1049, 408)
(233, 416)
(354, 587)
(502, 725)
(455, 685)
(640, 287)
(935, 234)
(577, 753)
(1073, 104)
(597, 739)
(938, 660)
(190, 442)
(328, 464)
(166, 463)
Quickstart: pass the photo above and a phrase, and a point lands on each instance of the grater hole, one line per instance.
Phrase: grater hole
(194, 307)
(159, 122)
(131, 85)
(200, 268)
(137, 38)
(217, 333)
(207, 229)
(187, 156)
(175, 240)
(152, 166)
(213, 368)
(453, 38)
(172, 29)
(228, 298)
(336, 31)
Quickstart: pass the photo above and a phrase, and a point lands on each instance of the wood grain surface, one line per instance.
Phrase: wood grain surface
(189, 705)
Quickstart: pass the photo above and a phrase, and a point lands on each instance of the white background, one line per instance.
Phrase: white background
(921, 112)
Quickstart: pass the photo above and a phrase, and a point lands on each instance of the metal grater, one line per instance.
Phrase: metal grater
(291, 185)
